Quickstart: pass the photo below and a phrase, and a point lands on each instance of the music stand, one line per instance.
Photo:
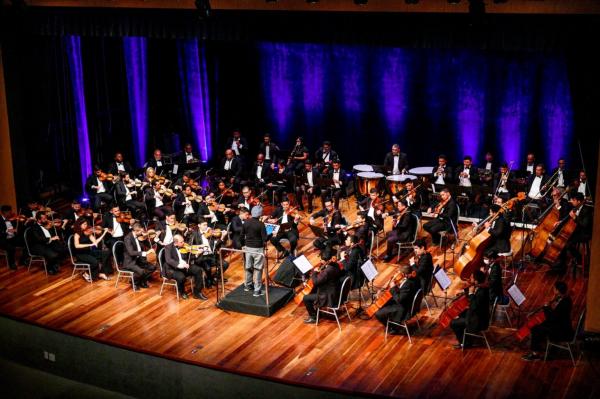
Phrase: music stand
(442, 279)
(370, 271)
(517, 296)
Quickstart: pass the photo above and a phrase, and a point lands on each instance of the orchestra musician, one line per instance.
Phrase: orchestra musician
(188, 156)
(98, 189)
(494, 270)
(119, 165)
(581, 185)
(536, 182)
(298, 156)
(210, 240)
(245, 199)
(127, 195)
(403, 292)
(563, 174)
(446, 217)
(487, 172)
(333, 221)
(149, 176)
(326, 286)
(238, 145)
(307, 185)
(360, 227)
(156, 162)
(71, 215)
(186, 205)
(373, 209)
(155, 200)
(255, 239)
(179, 269)
(503, 180)
(135, 257)
(288, 228)
(236, 228)
(9, 237)
(465, 174)
(269, 150)
(261, 173)
(477, 316)
(584, 220)
(529, 167)
(44, 241)
(403, 228)
(395, 162)
(87, 248)
(165, 229)
(352, 255)
(422, 264)
(413, 196)
(557, 326)
(117, 228)
(231, 168)
(280, 181)
(441, 174)
(338, 188)
(324, 157)
(499, 230)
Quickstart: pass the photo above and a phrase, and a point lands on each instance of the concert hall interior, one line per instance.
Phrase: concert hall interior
(299, 198)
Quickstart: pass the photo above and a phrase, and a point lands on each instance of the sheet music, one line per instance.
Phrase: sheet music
(302, 264)
(175, 169)
(516, 294)
(442, 279)
(369, 270)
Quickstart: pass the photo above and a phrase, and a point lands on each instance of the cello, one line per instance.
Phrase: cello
(558, 243)
(385, 296)
(544, 229)
(470, 260)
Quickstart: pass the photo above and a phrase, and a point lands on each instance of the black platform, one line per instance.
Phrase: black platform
(241, 301)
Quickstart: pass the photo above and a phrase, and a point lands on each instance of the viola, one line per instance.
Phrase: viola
(385, 296)
(309, 285)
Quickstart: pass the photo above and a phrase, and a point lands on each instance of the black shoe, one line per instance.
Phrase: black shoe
(200, 296)
(143, 284)
(209, 283)
(388, 258)
(310, 320)
(248, 288)
(394, 331)
(52, 272)
(457, 346)
(259, 293)
(310, 210)
(12, 267)
(184, 296)
(529, 357)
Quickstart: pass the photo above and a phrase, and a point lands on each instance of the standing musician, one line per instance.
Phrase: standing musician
(477, 316)
(503, 182)
(261, 173)
(338, 188)
(280, 181)
(87, 248)
(117, 228)
(9, 237)
(155, 200)
(45, 243)
(373, 209)
(499, 230)
(231, 168)
(529, 167)
(563, 175)
(238, 145)
(326, 286)
(486, 174)
(395, 162)
(178, 268)
(352, 255)
(186, 205)
(255, 239)
(298, 156)
(188, 156)
(324, 157)
(582, 186)
(403, 229)
(98, 188)
(584, 220)
(465, 174)
(156, 162)
(135, 256)
(403, 287)
(127, 195)
(441, 174)
(307, 185)
(119, 165)
(536, 182)
(333, 221)
(557, 326)
(492, 262)
(422, 264)
(288, 228)
(446, 217)
(236, 228)
(269, 150)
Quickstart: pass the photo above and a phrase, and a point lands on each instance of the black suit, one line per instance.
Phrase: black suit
(375, 222)
(476, 318)
(334, 192)
(447, 174)
(179, 274)
(39, 244)
(273, 152)
(352, 264)
(566, 177)
(557, 325)
(242, 149)
(234, 171)
(446, 221)
(153, 163)
(303, 187)
(283, 180)
(135, 260)
(265, 175)
(95, 197)
(158, 211)
(473, 175)
(583, 233)
(326, 289)
(500, 232)
(398, 308)
(135, 206)
(332, 236)
(508, 185)
(403, 230)
(388, 162)
(113, 168)
(109, 221)
(288, 231)
(237, 237)
(10, 244)
(424, 269)
(531, 178)
(319, 155)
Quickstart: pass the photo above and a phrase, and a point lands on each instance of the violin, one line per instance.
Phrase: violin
(149, 234)
(166, 191)
(440, 206)
(93, 230)
(85, 212)
(124, 217)
(193, 184)
(17, 218)
(107, 177)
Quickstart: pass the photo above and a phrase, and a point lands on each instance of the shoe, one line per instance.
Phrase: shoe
(394, 331)
(209, 283)
(143, 284)
(457, 346)
(185, 296)
(258, 293)
(529, 357)
(104, 277)
(200, 296)
(248, 288)
(310, 320)
(388, 258)
(86, 277)
(12, 267)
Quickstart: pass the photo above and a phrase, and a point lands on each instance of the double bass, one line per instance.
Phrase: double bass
(471, 258)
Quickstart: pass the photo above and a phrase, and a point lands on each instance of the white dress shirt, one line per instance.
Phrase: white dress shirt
(100, 186)
(117, 230)
(228, 164)
(534, 192)
(9, 226)
(336, 177)
(268, 152)
(396, 169)
(120, 167)
(158, 199)
(259, 171)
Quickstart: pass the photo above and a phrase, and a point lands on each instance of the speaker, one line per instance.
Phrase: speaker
(286, 273)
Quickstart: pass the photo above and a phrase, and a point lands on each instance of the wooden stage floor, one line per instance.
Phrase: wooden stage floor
(282, 348)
